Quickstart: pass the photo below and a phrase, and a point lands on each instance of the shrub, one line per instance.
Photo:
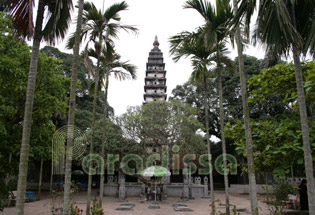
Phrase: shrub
(97, 209)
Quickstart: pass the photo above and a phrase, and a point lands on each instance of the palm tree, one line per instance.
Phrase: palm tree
(75, 64)
(56, 26)
(216, 30)
(101, 28)
(286, 26)
(110, 64)
(189, 44)
(247, 8)
(192, 44)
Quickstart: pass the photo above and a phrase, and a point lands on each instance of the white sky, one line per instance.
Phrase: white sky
(164, 18)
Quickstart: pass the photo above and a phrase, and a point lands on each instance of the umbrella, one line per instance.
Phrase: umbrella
(156, 171)
(77, 173)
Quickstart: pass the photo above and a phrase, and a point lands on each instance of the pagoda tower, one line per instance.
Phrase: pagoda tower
(155, 81)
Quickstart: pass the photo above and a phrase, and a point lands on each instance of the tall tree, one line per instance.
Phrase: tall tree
(71, 113)
(286, 26)
(192, 44)
(110, 65)
(56, 26)
(101, 28)
(216, 31)
(247, 9)
(14, 59)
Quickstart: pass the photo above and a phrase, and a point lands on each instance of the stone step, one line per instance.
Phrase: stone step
(131, 204)
(178, 204)
(125, 208)
(154, 206)
(182, 208)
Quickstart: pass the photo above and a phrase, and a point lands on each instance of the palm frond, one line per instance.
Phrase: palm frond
(275, 26)
(87, 61)
(58, 21)
(245, 11)
(204, 8)
(198, 71)
(92, 87)
(21, 12)
(113, 10)
(113, 29)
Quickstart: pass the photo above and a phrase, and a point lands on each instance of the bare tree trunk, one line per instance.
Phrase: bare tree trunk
(96, 79)
(40, 178)
(309, 169)
(104, 138)
(248, 134)
(30, 93)
(71, 114)
(226, 179)
(208, 137)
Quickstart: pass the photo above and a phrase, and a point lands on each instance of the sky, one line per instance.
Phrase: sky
(161, 18)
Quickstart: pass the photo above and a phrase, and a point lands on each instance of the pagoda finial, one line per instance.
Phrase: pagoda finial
(156, 42)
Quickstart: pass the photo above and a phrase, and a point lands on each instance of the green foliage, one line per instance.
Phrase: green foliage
(75, 210)
(96, 208)
(277, 197)
(282, 190)
(277, 135)
(277, 139)
(115, 143)
(50, 99)
(277, 143)
(163, 123)
(280, 80)
(84, 102)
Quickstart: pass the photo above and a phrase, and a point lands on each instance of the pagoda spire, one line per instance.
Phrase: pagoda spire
(155, 81)
(156, 42)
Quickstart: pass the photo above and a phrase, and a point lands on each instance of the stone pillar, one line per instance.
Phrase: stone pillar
(205, 188)
(185, 184)
(166, 182)
(143, 188)
(190, 182)
(122, 187)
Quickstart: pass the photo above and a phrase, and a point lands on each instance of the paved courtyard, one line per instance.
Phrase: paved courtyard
(199, 206)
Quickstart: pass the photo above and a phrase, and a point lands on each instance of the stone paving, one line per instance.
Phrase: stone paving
(110, 204)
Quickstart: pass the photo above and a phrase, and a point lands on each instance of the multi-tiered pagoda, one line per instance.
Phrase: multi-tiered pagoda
(155, 81)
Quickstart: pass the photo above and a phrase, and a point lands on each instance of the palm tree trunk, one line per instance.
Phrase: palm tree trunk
(305, 133)
(40, 178)
(97, 74)
(71, 114)
(104, 138)
(248, 133)
(30, 93)
(226, 179)
(205, 93)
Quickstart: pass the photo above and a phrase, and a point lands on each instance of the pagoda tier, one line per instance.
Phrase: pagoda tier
(155, 81)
